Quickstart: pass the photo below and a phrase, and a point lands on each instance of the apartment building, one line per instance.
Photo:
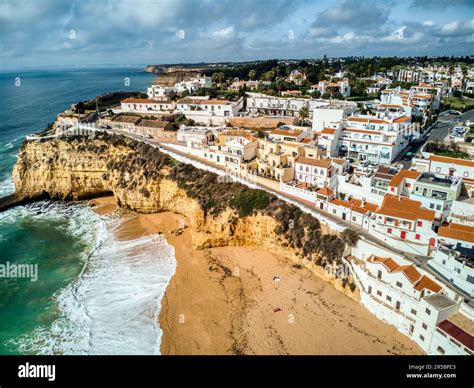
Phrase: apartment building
(158, 92)
(193, 84)
(261, 104)
(208, 111)
(378, 139)
(147, 106)
(396, 292)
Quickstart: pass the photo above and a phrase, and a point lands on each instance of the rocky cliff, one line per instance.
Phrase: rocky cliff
(144, 180)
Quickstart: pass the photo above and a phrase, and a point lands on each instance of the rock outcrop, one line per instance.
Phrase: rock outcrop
(144, 180)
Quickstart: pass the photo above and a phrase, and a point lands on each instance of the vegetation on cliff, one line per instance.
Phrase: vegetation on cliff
(138, 166)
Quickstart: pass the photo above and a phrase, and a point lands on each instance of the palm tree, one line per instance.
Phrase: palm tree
(303, 114)
(252, 74)
(280, 83)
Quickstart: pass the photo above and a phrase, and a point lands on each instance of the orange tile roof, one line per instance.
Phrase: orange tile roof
(324, 163)
(328, 131)
(325, 191)
(388, 262)
(406, 208)
(457, 232)
(285, 132)
(445, 159)
(401, 175)
(402, 119)
(364, 120)
(426, 282)
(410, 272)
(355, 205)
(419, 281)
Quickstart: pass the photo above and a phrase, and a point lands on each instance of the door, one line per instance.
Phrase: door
(403, 235)
(397, 305)
(343, 216)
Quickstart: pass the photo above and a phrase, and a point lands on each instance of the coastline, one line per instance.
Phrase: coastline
(225, 301)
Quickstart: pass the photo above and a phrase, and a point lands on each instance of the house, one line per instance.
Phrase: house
(196, 137)
(402, 182)
(158, 92)
(236, 151)
(143, 105)
(315, 172)
(286, 135)
(324, 86)
(297, 77)
(436, 192)
(460, 237)
(404, 224)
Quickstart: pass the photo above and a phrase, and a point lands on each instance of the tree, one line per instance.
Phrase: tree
(326, 95)
(337, 96)
(350, 237)
(218, 77)
(303, 114)
(280, 84)
(252, 74)
(316, 94)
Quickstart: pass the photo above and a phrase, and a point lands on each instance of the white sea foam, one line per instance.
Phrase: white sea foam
(7, 187)
(113, 306)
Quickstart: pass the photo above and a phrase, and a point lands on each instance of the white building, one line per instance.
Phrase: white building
(378, 139)
(262, 104)
(315, 172)
(143, 105)
(208, 111)
(193, 84)
(196, 137)
(454, 266)
(396, 292)
(158, 92)
(342, 87)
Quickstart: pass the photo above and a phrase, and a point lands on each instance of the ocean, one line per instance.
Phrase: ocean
(93, 294)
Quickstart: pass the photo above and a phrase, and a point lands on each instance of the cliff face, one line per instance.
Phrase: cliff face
(73, 169)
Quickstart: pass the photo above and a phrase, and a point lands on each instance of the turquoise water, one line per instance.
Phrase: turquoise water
(59, 238)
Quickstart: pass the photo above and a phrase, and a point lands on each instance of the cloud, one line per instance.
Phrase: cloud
(149, 31)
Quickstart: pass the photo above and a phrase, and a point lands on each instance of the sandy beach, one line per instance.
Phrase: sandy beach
(241, 300)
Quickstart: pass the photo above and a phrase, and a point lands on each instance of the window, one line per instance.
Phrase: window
(397, 305)
(370, 289)
(389, 230)
(438, 169)
(354, 218)
(424, 326)
(419, 223)
(379, 274)
(408, 185)
(432, 205)
(422, 338)
(399, 284)
(403, 235)
(379, 293)
(428, 311)
(466, 174)
(389, 298)
(417, 236)
(440, 350)
(438, 207)
(413, 311)
(334, 211)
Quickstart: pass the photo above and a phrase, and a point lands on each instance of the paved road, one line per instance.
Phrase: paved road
(438, 132)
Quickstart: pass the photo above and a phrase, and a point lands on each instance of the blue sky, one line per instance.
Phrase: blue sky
(99, 32)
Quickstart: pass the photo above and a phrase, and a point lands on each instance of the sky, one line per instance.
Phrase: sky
(63, 33)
